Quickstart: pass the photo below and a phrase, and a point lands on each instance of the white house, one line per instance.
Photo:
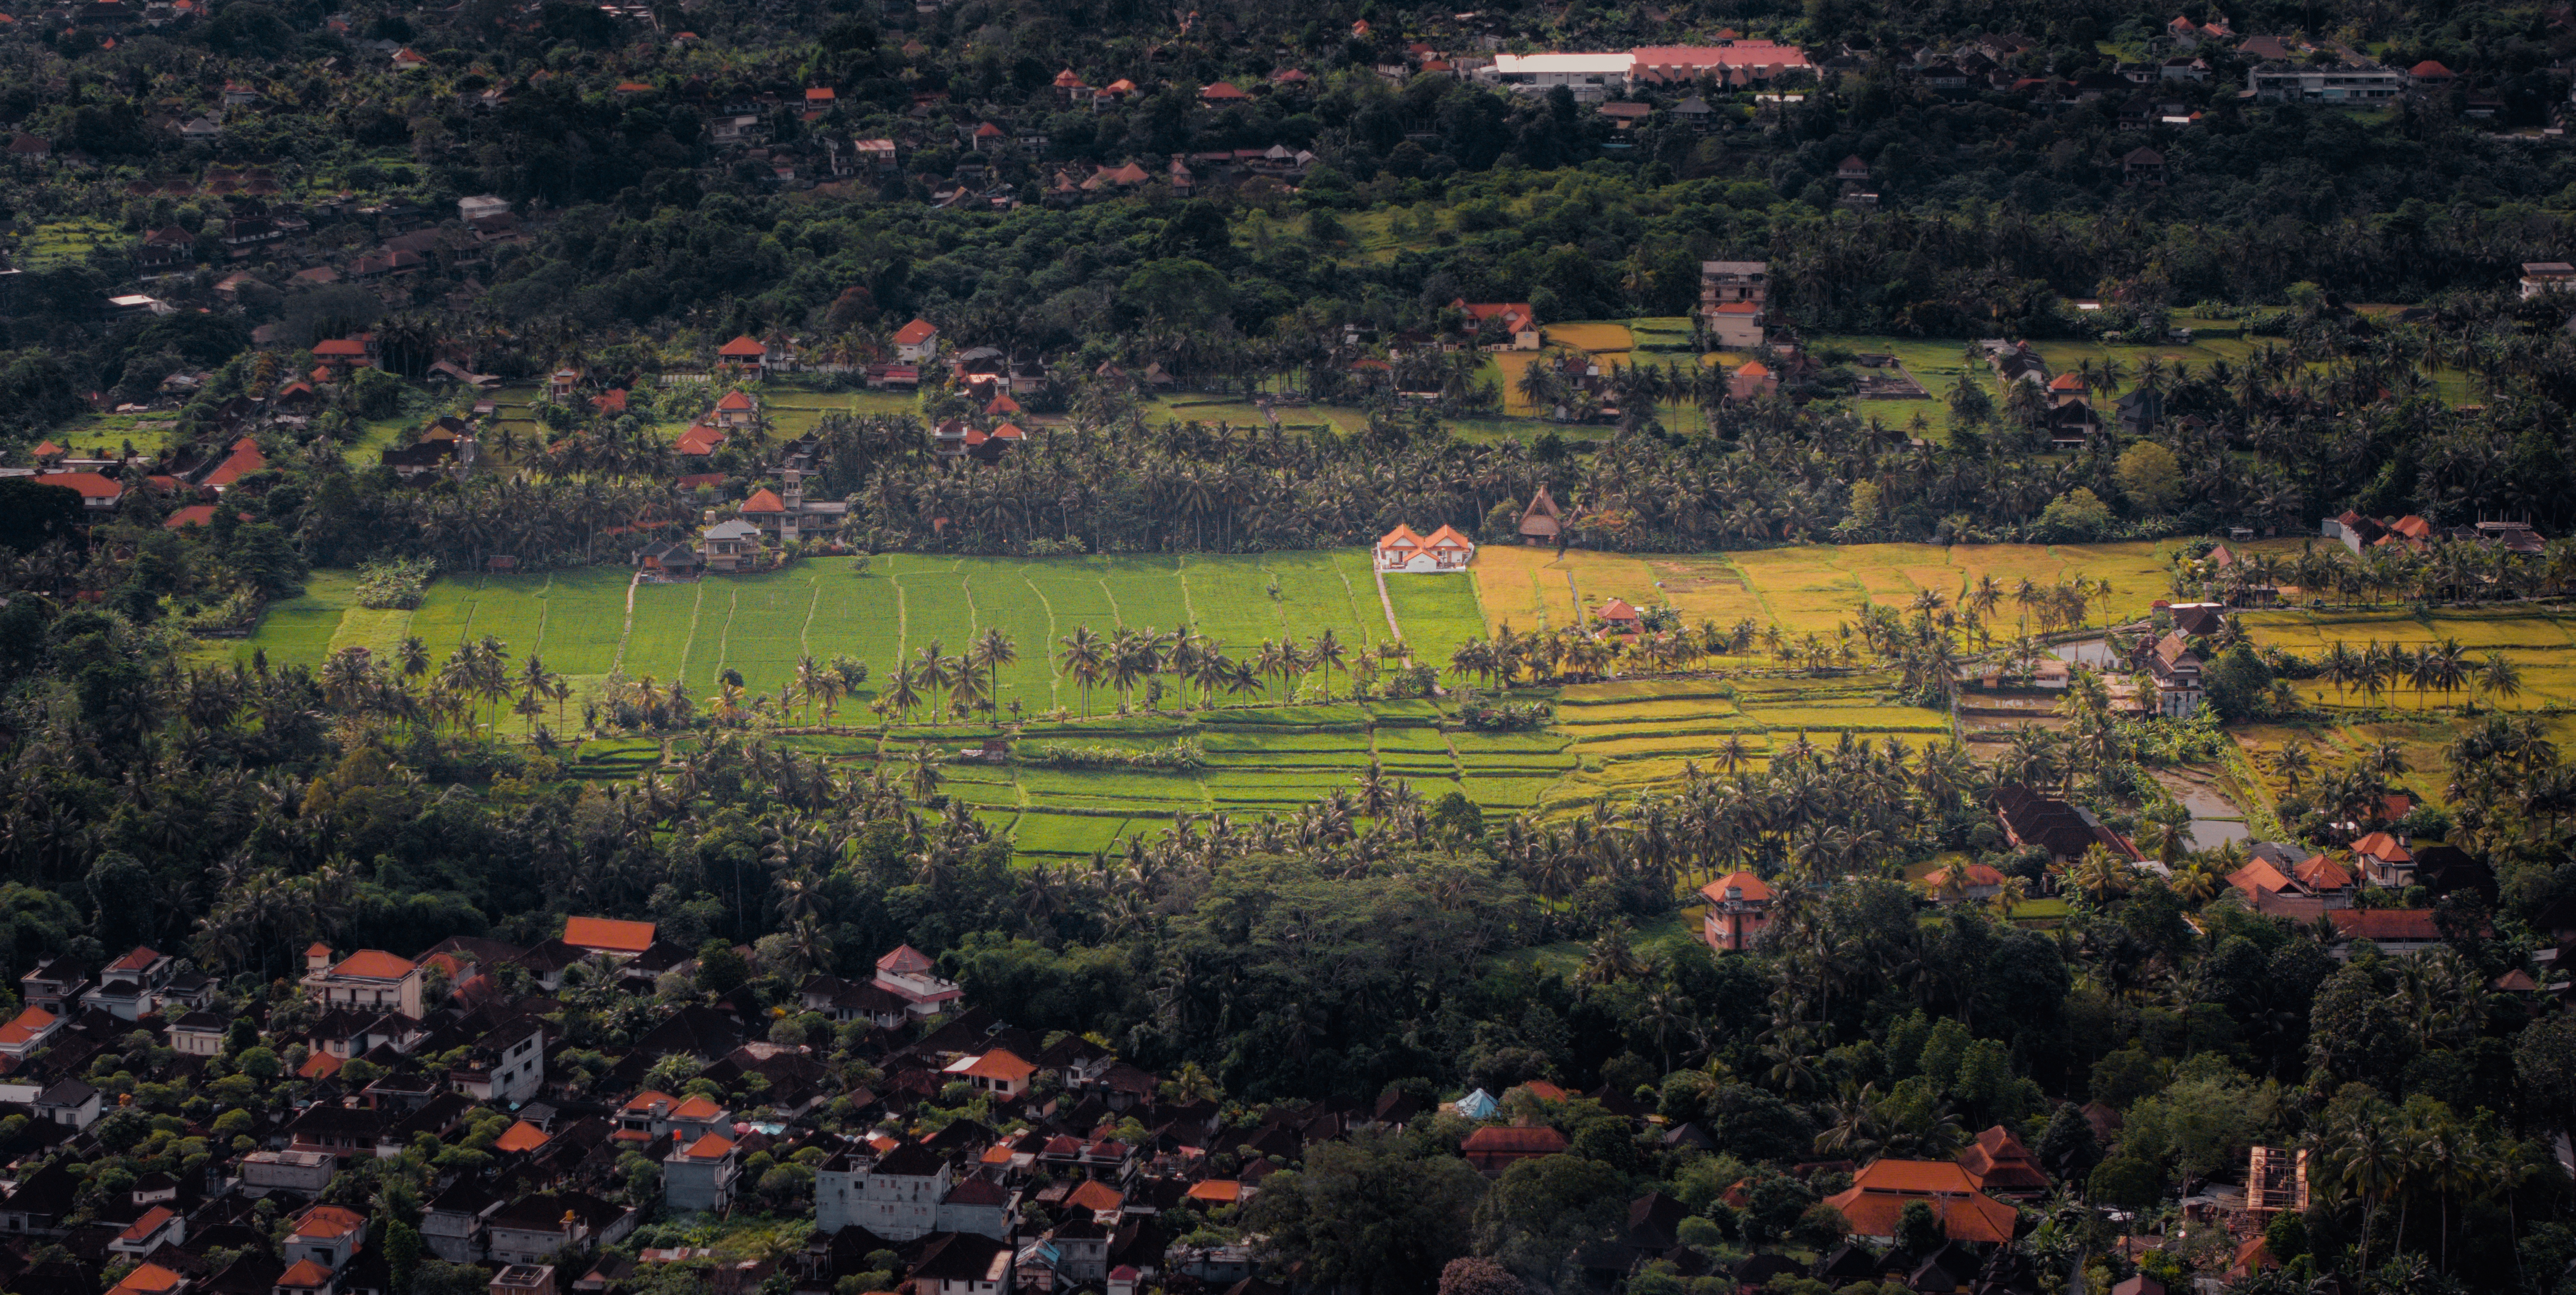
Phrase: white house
(1405, 551)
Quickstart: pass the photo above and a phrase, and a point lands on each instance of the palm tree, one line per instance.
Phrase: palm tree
(1329, 652)
(922, 770)
(809, 682)
(2498, 678)
(2292, 765)
(1083, 655)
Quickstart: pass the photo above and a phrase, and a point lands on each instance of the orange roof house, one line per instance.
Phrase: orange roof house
(1216, 1191)
(1495, 1148)
(1223, 92)
(96, 491)
(1753, 380)
(700, 440)
(916, 341)
(1977, 880)
(1617, 614)
(374, 964)
(743, 348)
(2066, 382)
(153, 1279)
(1998, 1163)
(153, 1221)
(714, 1146)
(1096, 1196)
(608, 935)
(243, 461)
(998, 1071)
(764, 500)
(2320, 873)
(324, 1222)
(521, 1136)
(1880, 1192)
(26, 1029)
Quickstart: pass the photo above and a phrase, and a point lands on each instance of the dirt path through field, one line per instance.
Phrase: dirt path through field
(1387, 605)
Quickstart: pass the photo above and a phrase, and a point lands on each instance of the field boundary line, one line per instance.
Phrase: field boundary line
(1181, 576)
(805, 633)
(966, 590)
(1386, 603)
(465, 632)
(1351, 596)
(1046, 653)
(690, 644)
(626, 631)
(1117, 618)
(902, 617)
(724, 638)
(1770, 616)
(545, 612)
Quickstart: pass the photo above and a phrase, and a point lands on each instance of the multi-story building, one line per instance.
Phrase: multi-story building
(896, 1196)
(700, 1176)
(1739, 907)
(367, 978)
(1733, 300)
(906, 973)
(2328, 83)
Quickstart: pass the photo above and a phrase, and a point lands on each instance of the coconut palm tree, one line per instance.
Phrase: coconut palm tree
(1084, 656)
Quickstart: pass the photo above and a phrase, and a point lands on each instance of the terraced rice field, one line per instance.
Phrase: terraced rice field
(759, 625)
(1807, 588)
(1613, 740)
(2541, 646)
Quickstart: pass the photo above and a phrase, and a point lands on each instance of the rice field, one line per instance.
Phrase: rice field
(1268, 753)
(1807, 588)
(2541, 646)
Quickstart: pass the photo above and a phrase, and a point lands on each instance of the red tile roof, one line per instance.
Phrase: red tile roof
(764, 500)
(1095, 1195)
(710, 1147)
(743, 347)
(149, 1279)
(26, 1026)
(1519, 1140)
(90, 484)
(1745, 885)
(1000, 1063)
(374, 964)
(2383, 847)
(305, 1275)
(243, 461)
(2385, 924)
(520, 1136)
(153, 1220)
(329, 1221)
(608, 934)
(136, 960)
(915, 333)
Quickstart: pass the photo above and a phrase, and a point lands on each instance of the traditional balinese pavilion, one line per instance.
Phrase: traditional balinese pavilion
(1541, 522)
